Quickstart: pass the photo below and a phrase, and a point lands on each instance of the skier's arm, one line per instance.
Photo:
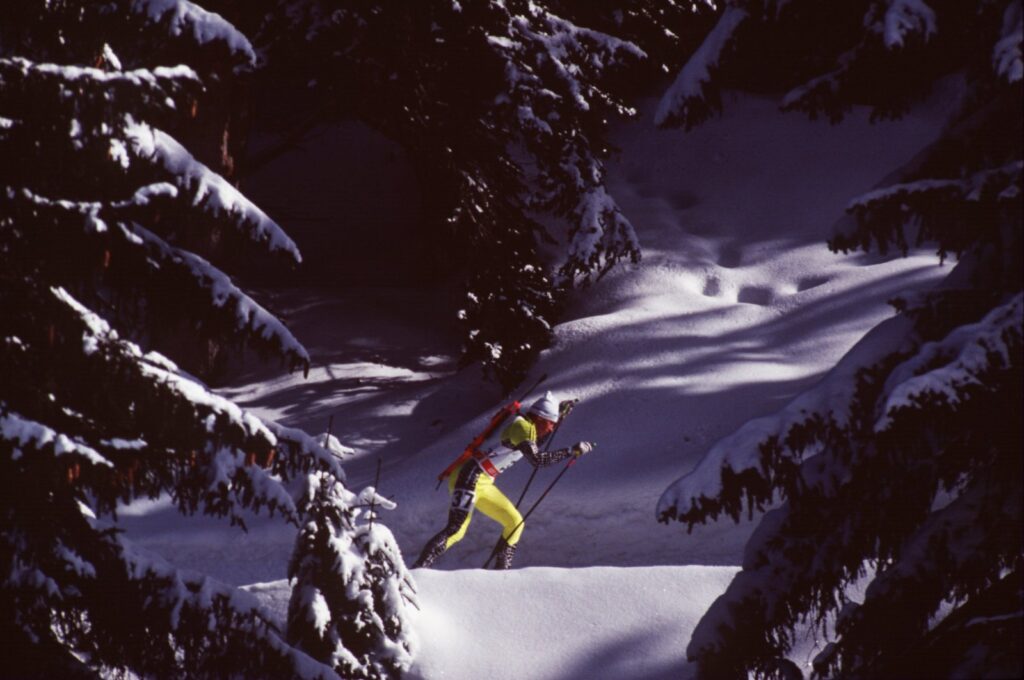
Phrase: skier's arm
(540, 458)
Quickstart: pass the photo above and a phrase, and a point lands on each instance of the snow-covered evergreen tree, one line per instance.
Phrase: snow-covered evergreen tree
(109, 235)
(351, 589)
(503, 108)
(902, 467)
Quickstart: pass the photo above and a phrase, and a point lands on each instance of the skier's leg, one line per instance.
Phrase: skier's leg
(503, 554)
(458, 521)
(496, 505)
(493, 503)
(461, 486)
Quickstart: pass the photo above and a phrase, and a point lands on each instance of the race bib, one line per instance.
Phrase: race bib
(462, 499)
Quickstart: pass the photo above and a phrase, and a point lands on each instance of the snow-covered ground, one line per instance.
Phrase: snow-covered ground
(545, 623)
(736, 307)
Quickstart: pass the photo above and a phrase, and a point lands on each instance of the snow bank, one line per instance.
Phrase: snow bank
(547, 623)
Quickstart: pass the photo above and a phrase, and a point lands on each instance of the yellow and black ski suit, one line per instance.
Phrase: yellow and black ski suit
(471, 485)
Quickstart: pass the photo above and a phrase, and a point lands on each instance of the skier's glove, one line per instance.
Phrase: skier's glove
(582, 448)
(566, 407)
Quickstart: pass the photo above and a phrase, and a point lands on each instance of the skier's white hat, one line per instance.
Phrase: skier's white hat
(546, 407)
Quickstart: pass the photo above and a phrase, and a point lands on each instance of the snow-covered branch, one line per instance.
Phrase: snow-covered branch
(946, 366)
(900, 19)
(818, 93)
(26, 435)
(950, 558)
(600, 236)
(186, 18)
(943, 210)
(230, 479)
(1006, 55)
(99, 335)
(697, 495)
(153, 81)
(249, 315)
(162, 259)
(693, 97)
(210, 191)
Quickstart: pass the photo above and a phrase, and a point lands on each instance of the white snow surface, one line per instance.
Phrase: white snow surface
(544, 623)
(737, 308)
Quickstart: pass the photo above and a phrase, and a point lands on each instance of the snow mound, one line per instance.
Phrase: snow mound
(548, 623)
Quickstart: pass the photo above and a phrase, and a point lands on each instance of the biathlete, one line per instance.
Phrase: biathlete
(471, 485)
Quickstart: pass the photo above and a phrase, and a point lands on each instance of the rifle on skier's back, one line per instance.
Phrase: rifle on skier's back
(503, 414)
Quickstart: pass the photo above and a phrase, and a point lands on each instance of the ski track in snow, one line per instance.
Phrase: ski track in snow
(737, 306)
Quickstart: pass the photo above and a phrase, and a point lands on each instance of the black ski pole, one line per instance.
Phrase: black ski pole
(527, 487)
(327, 437)
(376, 485)
(494, 553)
